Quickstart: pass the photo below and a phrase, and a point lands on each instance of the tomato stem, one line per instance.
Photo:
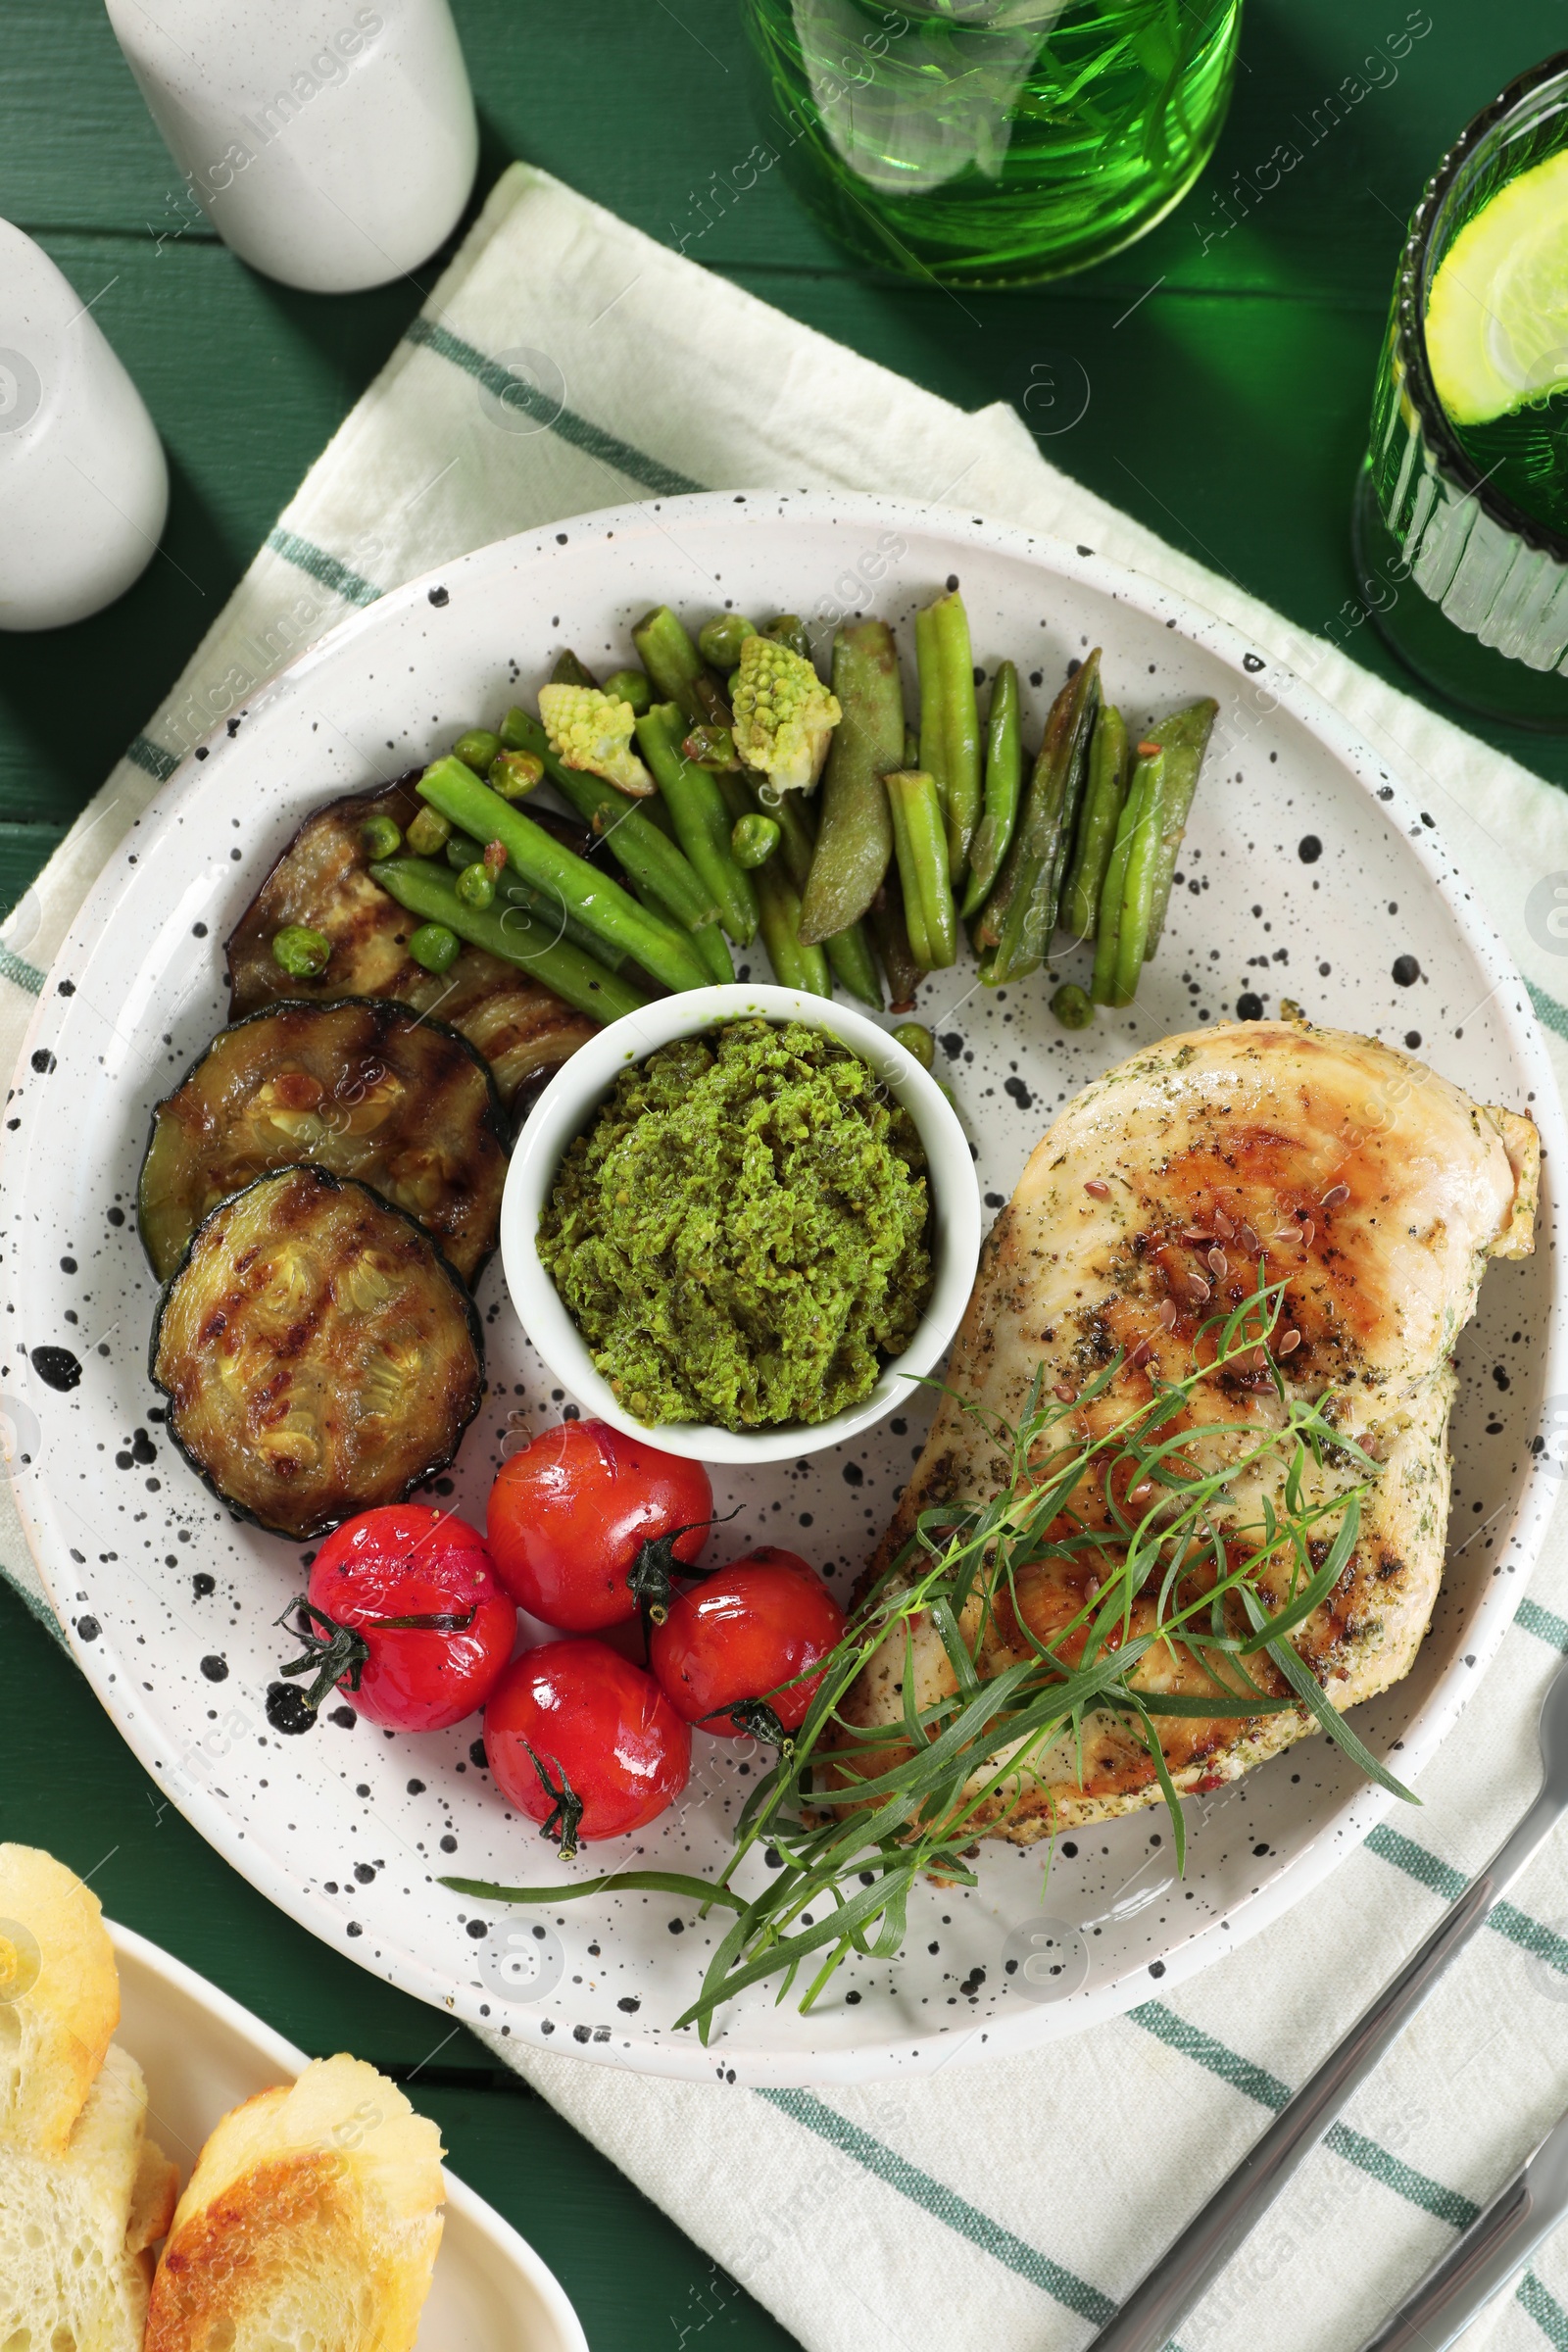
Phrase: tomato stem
(338, 1654)
(564, 1818)
(653, 1573)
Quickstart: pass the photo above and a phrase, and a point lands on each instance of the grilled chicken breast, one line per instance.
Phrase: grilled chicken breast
(1377, 1192)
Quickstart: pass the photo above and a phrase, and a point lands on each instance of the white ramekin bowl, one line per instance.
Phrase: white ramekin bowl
(567, 1106)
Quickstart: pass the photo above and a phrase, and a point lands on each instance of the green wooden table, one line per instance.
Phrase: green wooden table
(1229, 378)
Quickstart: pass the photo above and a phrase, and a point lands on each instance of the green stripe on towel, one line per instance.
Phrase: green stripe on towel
(152, 758)
(308, 557)
(814, 2115)
(1544, 2309)
(1549, 1012)
(17, 968)
(1542, 1624)
(518, 394)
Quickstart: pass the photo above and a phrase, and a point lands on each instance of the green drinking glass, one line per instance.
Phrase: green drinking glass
(1460, 524)
(993, 142)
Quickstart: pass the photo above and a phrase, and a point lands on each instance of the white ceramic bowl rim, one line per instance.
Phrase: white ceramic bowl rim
(566, 1108)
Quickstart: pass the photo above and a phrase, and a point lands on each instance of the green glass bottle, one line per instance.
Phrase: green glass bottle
(993, 142)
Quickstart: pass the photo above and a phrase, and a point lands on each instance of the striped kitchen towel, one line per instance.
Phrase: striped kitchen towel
(566, 363)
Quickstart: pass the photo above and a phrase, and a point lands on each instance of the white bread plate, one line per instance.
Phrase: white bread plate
(202, 2054)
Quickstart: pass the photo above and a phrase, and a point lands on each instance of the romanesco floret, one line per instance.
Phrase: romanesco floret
(592, 731)
(784, 715)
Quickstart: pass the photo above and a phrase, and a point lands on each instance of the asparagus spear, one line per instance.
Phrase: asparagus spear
(855, 833)
(632, 831)
(1185, 739)
(919, 840)
(950, 720)
(569, 671)
(1103, 794)
(1016, 923)
(1107, 920)
(703, 822)
(457, 793)
(1004, 785)
(513, 933)
(1138, 883)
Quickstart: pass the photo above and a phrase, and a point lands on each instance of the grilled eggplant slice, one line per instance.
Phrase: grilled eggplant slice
(365, 1088)
(322, 881)
(318, 1354)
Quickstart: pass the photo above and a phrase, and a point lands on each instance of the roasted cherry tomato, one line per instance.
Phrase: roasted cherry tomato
(725, 1648)
(584, 1742)
(404, 1615)
(581, 1521)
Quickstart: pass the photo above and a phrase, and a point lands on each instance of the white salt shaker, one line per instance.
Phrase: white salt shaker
(332, 144)
(83, 487)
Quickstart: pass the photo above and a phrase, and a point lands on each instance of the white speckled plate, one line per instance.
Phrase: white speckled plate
(202, 2054)
(1308, 872)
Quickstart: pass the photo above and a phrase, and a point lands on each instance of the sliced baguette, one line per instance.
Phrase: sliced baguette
(311, 2220)
(59, 1998)
(75, 2225)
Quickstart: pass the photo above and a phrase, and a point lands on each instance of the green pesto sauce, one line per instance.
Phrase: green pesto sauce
(741, 1235)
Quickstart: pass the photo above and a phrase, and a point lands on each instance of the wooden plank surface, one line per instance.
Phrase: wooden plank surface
(1229, 377)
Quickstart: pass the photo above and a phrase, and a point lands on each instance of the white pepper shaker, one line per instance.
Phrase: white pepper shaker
(83, 487)
(332, 144)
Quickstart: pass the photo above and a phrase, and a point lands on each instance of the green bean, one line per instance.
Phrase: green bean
(1138, 884)
(851, 961)
(673, 665)
(912, 748)
(1184, 737)
(460, 797)
(476, 748)
(380, 836)
(514, 773)
(720, 639)
(434, 946)
(753, 839)
(933, 735)
(461, 850)
(1003, 787)
(629, 686)
(1103, 794)
(701, 820)
(634, 831)
(550, 910)
(889, 935)
(1072, 1007)
(919, 840)
(569, 671)
(916, 1039)
(512, 932)
(949, 718)
(1016, 925)
(796, 963)
(854, 830)
(787, 628)
(713, 949)
(300, 951)
(1107, 920)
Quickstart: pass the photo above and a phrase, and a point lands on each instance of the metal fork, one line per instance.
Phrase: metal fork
(1189, 2267)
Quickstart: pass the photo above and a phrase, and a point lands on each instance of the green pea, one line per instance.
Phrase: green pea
(429, 834)
(1071, 1007)
(514, 773)
(477, 748)
(753, 840)
(630, 686)
(300, 951)
(434, 946)
(720, 639)
(476, 886)
(381, 838)
(916, 1039)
